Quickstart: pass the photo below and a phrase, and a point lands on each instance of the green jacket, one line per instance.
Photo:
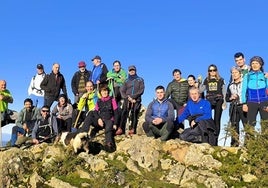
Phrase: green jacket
(118, 77)
(90, 101)
(178, 91)
(7, 99)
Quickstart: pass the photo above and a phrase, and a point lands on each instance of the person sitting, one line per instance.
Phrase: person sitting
(198, 112)
(159, 116)
(105, 116)
(63, 112)
(45, 128)
(25, 122)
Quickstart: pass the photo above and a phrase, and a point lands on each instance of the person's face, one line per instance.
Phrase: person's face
(255, 66)
(89, 87)
(212, 71)
(96, 62)
(236, 74)
(62, 101)
(27, 105)
(240, 61)
(44, 112)
(3, 85)
(56, 68)
(82, 69)
(191, 81)
(117, 67)
(194, 94)
(160, 94)
(104, 93)
(132, 72)
(177, 76)
(39, 71)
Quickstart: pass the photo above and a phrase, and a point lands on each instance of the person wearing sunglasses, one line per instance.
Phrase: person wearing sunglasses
(45, 127)
(214, 86)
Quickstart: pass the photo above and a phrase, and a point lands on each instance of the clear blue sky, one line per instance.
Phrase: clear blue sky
(156, 36)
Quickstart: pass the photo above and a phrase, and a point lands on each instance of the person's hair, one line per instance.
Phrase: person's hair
(104, 87)
(238, 54)
(45, 106)
(90, 82)
(117, 61)
(236, 68)
(160, 87)
(28, 100)
(176, 70)
(258, 59)
(191, 76)
(217, 72)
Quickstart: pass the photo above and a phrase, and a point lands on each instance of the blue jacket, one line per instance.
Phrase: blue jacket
(254, 87)
(192, 108)
(164, 110)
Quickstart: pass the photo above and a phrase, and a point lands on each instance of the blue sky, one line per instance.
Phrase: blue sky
(156, 36)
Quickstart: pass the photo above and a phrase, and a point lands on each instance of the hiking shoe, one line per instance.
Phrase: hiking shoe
(119, 131)
(109, 147)
(131, 132)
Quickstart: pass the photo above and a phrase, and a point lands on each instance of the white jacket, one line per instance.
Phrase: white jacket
(34, 87)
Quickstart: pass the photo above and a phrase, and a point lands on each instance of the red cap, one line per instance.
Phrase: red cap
(81, 64)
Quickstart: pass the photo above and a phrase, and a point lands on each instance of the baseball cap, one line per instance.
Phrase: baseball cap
(40, 66)
(81, 64)
(132, 67)
(96, 57)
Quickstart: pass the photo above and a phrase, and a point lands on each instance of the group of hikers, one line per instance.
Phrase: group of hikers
(111, 100)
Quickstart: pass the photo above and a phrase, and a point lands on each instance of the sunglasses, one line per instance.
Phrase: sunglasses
(45, 110)
(212, 70)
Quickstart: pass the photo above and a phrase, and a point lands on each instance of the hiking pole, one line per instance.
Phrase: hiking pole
(77, 118)
(229, 122)
(128, 123)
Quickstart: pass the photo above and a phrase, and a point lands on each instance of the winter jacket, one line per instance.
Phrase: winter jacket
(34, 87)
(90, 101)
(178, 91)
(192, 108)
(254, 87)
(118, 77)
(52, 86)
(133, 87)
(6, 99)
(163, 110)
(65, 111)
(76, 78)
(99, 73)
(35, 114)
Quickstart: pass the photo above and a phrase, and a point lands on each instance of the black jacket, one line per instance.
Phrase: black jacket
(76, 79)
(52, 86)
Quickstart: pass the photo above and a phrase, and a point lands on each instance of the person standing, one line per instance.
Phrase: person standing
(34, 90)
(254, 93)
(52, 84)
(215, 94)
(5, 98)
(159, 118)
(99, 72)
(177, 91)
(116, 77)
(79, 80)
(233, 95)
(131, 92)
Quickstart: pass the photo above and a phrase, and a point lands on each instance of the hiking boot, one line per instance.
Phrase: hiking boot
(110, 147)
(119, 131)
(131, 132)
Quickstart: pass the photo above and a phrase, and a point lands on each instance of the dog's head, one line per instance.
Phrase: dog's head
(81, 141)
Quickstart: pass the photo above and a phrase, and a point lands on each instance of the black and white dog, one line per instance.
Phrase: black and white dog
(78, 140)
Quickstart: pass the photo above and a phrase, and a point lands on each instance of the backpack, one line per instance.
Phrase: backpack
(44, 131)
